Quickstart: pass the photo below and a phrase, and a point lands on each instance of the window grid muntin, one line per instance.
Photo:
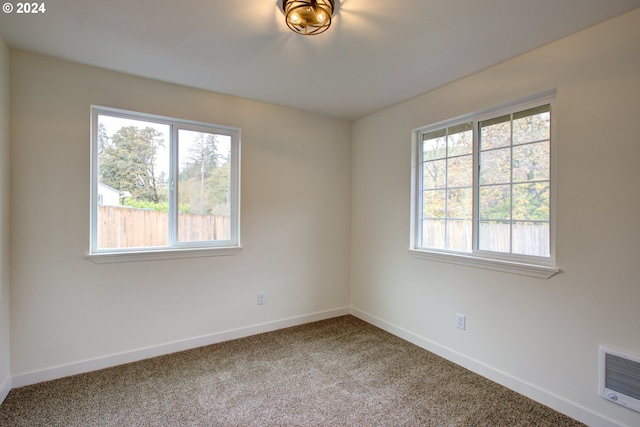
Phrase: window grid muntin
(476, 244)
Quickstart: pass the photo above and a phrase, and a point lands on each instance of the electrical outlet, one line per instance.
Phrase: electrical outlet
(461, 321)
(262, 298)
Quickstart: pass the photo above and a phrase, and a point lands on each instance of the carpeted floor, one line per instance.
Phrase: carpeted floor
(337, 372)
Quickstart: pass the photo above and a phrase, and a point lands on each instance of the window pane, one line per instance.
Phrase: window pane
(494, 236)
(433, 233)
(495, 166)
(204, 184)
(531, 201)
(434, 145)
(460, 203)
(531, 238)
(531, 125)
(435, 174)
(447, 187)
(531, 162)
(495, 133)
(495, 202)
(434, 204)
(460, 139)
(133, 166)
(460, 173)
(459, 235)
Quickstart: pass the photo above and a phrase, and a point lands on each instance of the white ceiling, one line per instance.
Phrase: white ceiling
(376, 54)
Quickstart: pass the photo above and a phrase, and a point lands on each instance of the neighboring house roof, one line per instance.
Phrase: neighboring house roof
(107, 187)
(113, 195)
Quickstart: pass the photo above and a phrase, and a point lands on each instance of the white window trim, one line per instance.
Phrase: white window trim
(162, 254)
(524, 269)
(178, 250)
(541, 267)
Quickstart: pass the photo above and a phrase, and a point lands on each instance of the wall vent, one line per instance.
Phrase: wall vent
(620, 378)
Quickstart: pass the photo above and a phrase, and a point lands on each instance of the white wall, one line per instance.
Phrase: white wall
(539, 336)
(298, 175)
(295, 224)
(5, 380)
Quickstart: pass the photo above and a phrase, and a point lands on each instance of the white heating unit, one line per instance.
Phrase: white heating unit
(620, 378)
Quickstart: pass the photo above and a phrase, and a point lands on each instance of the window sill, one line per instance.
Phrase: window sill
(162, 254)
(533, 270)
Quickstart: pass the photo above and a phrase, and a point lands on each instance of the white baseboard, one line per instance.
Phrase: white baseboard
(5, 388)
(531, 391)
(160, 350)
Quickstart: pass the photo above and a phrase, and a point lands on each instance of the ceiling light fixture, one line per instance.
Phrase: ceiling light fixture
(308, 17)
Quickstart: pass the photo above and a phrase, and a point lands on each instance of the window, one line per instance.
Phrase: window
(162, 187)
(483, 190)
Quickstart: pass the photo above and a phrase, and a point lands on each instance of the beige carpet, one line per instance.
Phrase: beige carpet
(338, 372)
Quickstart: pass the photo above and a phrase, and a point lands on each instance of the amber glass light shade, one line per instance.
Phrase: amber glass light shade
(308, 17)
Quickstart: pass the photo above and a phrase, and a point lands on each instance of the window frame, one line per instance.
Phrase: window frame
(535, 266)
(175, 248)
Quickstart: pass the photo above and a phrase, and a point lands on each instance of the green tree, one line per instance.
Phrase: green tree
(128, 162)
(219, 185)
(103, 138)
(203, 174)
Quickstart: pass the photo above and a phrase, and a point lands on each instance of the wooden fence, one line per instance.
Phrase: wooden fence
(124, 227)
(528, 239)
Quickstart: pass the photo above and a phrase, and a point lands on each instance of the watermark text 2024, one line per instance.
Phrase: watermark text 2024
(24, 8)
